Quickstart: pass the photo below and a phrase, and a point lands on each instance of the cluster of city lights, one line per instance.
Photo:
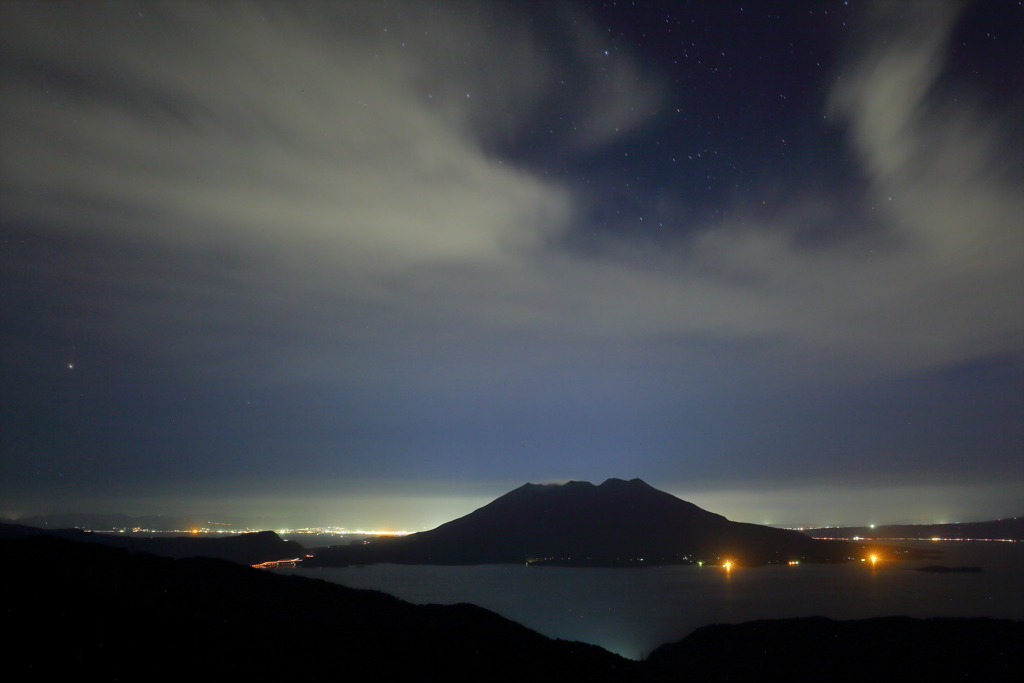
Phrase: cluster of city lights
(331, 530)
(142, 530)
(277, 564)
(341, 531)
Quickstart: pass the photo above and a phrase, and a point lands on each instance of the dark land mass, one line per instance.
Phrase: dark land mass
(81, 520)
(262, 546)
(943, 569)
(816, 648)
(1011, 528)
(86, 608)
(87, 611)
(617, 524)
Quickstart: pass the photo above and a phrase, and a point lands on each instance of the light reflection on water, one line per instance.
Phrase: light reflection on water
(632, 611)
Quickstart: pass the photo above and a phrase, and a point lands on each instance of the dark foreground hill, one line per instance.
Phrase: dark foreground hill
(619, 523)
(261, 546)
(1011, 528)
(83, 608)
(81, 611)
(820, 649)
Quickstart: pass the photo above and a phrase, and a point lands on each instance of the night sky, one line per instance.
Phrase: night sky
(375, 264)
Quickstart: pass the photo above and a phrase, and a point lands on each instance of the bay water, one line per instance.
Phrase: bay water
(632, 611)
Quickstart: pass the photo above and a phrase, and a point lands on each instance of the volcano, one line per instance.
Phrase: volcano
(615, 524)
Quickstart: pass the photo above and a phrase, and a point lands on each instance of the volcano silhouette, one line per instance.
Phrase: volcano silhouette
(618, 523)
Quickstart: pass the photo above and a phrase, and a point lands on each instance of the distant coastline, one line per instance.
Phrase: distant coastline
(1007, 529)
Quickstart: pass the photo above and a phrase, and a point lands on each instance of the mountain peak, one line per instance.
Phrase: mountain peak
(610, 483)
(558, 484)
(617, 523)
(635, 483)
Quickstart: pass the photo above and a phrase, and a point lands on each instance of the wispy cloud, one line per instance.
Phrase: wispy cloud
(331, 166)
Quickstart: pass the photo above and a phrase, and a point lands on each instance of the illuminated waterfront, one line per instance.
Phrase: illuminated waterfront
(221, 531)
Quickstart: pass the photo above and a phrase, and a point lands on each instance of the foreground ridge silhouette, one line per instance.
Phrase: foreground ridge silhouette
(82, 610)
(84, 607)
(616, 524)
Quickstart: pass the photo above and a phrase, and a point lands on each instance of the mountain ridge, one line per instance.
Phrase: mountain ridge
(615, 523)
